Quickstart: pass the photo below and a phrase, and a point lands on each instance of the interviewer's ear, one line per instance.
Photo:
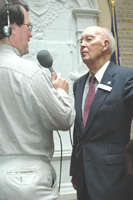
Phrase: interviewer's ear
(105, 44)
(14, 28)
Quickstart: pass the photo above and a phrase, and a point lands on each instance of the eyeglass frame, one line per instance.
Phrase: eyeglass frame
(87, 41)
(29, 26)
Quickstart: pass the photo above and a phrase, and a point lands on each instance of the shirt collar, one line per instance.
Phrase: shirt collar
(10, 48)
(101, 71)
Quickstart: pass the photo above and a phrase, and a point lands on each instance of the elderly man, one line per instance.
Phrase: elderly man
(104, 109)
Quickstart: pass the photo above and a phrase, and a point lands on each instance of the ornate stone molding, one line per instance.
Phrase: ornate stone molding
(84, 18)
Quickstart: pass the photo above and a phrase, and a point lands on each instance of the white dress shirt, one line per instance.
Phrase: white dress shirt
(98, 77)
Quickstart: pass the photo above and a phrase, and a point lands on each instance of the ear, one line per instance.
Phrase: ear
(14, 28)
(105, 44)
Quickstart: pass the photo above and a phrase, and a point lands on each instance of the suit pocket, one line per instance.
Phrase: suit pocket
(111, 102)
(114, 159)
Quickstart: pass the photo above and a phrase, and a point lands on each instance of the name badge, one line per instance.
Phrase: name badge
(105, 87)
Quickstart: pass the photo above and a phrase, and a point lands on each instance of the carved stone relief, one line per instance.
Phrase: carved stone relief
(57, 25)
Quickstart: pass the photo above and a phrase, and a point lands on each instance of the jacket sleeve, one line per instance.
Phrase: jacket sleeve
(128, 90)
(73, 160)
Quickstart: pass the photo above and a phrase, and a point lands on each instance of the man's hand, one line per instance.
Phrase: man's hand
(59, 82)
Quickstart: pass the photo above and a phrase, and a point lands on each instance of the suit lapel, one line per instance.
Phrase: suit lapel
(108, 80)
(80, 89)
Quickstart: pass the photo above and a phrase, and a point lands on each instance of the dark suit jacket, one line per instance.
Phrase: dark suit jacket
(99, 148)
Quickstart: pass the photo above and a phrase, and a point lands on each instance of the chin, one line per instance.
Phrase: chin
(26, 52)
(85, 60)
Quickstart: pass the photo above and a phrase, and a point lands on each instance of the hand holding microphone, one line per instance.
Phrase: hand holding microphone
(59, 82)
(46, 60)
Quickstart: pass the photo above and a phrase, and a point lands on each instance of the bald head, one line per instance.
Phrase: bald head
(96, 46)
(104, 33)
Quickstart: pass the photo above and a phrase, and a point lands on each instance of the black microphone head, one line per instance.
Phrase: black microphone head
(44, 58)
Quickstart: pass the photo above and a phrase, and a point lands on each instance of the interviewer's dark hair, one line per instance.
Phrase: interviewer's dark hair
(15, 12)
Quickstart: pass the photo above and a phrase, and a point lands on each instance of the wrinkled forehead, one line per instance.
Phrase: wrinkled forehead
(93, 31)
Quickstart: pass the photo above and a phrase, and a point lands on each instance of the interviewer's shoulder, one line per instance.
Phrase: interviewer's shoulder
(30, 63)
(27, 67)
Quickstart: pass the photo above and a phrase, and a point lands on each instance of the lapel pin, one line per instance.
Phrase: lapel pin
(109, 83)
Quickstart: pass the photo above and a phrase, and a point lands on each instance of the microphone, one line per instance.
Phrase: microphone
(45, 59)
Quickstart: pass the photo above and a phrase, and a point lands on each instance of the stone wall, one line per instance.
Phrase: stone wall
(124, 15)
(124, 11)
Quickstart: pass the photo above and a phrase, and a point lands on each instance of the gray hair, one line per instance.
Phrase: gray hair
(111, 40)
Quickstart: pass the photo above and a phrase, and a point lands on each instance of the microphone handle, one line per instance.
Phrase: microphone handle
(52, 70)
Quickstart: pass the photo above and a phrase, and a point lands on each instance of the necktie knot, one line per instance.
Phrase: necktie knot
(92, 79)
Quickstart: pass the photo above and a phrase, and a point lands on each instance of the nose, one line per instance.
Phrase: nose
(31, 34)
(83, 43)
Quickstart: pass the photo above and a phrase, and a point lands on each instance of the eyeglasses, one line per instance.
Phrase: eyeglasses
(29, 26)
(87, 40)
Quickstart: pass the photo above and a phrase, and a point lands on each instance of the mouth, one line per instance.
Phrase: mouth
(84, 53)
